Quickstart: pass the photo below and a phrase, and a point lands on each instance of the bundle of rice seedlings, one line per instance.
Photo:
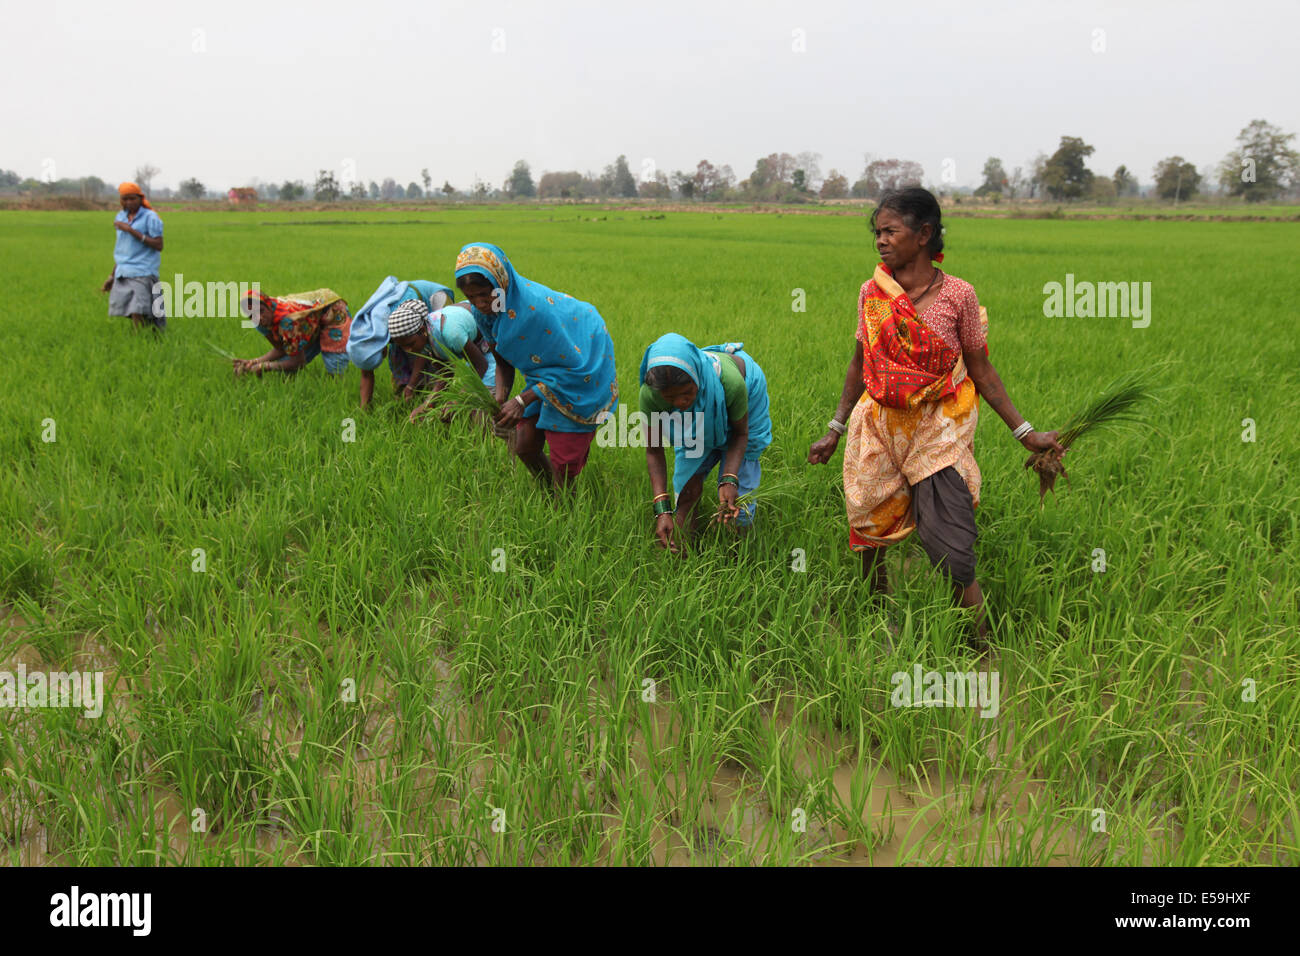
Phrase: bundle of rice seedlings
(1116, 405)
(464, 391)
(787, 486)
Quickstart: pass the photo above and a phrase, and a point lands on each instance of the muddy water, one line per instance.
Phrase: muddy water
(904, 818)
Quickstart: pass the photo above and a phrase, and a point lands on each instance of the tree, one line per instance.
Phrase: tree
(886, 175)
(657, 188)
(1065, 176)
(327, 188)
(520, 184)
(144, 177)
(995, 178)
(1209, 179)
(428, 181)
(1102, 189)
(835, 186)
(413, 191)
(1125, 182)
(1262, 165)
(373, 190)
(192, 189)
(618, 180)
(705, 173)
(684, 183)
(560, 185)
(357, 192)
(1176, 178)
(480, 189)
(448, 189)
(292, 190)
(800, 181)
(711, 181)
(810, 163)
(782, 167)
(270, 191)
(1037, 169)
(389, 190)
(1016, 183)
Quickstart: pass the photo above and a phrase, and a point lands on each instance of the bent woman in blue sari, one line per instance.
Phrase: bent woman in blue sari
(712, 404)
(368, 342)
(564, 350)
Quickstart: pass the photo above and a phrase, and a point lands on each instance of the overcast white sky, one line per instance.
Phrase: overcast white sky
(233, 90)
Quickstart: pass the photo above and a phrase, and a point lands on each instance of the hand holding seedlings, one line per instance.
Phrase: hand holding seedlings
(727, 507)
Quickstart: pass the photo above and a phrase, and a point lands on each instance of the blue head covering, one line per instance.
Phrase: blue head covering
(369, 335)
(559, 343)
(452, 327)
(680, 352)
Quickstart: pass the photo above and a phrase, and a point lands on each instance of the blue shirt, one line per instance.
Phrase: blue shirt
(132, 256)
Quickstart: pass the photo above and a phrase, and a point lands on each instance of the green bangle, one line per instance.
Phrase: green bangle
(728, 480)
(663, 507)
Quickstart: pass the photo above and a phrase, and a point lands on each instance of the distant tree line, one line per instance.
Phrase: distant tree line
(1263, 166)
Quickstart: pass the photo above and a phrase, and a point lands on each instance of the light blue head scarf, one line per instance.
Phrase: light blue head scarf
(452, 328)
(680, 352)
(559, 343)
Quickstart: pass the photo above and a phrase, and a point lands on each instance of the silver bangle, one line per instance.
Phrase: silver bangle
(520, 399)
(1024, 429)
(837, 426)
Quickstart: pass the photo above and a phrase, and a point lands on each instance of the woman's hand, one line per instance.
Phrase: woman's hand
(665, 533)
(408, 392)
(821, 450)
(512, 412)
(727, 507)
(243, 366)
(107, 286)
(1043, 441)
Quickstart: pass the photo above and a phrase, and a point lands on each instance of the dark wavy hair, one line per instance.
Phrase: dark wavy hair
(916, 207)
(667, 376)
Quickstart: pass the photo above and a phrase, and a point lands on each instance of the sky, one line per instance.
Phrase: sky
(238, 91)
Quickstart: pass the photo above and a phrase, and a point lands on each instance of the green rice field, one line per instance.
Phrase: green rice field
(332, 637)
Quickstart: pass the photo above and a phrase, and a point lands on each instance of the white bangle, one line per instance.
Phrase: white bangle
(837, 426)
(1024, 429)
(520, 399)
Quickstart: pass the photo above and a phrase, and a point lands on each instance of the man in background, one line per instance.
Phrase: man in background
(138, 257)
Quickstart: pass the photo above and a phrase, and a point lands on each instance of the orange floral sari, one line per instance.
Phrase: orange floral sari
(916, 416)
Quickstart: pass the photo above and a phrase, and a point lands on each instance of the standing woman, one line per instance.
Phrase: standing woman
(368, 342)
(716, 402)
(299, 327)
(137, 257)
(920, 361)
(562, 347)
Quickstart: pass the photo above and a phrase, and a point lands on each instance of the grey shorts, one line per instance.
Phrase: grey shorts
(945, 523)
(134, 295)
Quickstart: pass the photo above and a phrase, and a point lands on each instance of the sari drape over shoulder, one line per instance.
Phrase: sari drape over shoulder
(710, 402)
(559, 343)
(917, 415)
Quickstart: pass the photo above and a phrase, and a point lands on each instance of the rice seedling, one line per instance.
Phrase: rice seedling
(344, 640)
(1116, 405)
(460, 389)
